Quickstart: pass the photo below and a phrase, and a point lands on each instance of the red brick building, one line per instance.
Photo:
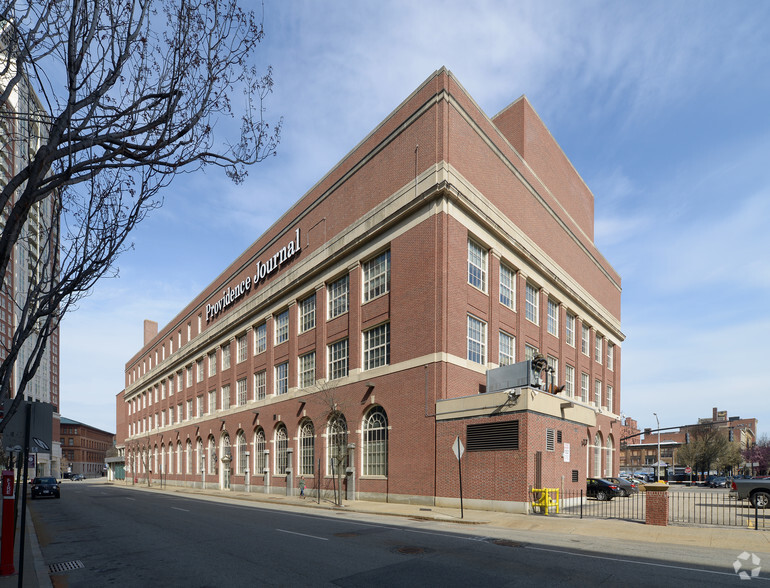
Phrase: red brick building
(83, 448)
(445, 244)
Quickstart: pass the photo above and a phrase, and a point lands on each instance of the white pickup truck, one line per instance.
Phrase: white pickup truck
(756, 490)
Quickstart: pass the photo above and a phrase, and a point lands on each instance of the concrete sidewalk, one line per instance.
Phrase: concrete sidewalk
(715, 537)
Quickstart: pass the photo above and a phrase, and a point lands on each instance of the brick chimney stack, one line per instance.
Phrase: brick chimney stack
(151, 331)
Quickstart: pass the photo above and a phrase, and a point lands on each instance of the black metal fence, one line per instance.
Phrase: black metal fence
(685, 507)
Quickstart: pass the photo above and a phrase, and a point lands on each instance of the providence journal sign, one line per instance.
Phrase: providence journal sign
(263, 270)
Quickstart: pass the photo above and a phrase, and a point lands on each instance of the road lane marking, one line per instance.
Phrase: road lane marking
(182, 509)
(127, 498)
(302, 534)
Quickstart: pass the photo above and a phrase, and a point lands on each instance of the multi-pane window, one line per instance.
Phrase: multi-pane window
(240, 449)
(569, 329)
(281, 453)
(260, 459)
(584, 387)
(507, 349)
(307, 314)
(199, 370)
(225, 396)
(199, 412)
(307, 449)
(598, 392)
(307, 370)
(338, 296)
(507, 286)
(260, 385)
(241, 348)
(337, 444)
(240, 387)
(598, 348)
(189, 376)
(610, 356)
(532, 311)
(282, 378)
(171, 386)
(529, 352)
(226, 357)
(477, 340)
(212, 363)
(282, 327)
(212, 401)
(553, 318)
(610, 399)
(569, 381)
(376, 443)
(477, 265)
(553, 364)
(212, 456)
(260, 338)
(179, 412)
(376, 276)
(377, 346)
(338, 359)
(584, 339)
(179, 381)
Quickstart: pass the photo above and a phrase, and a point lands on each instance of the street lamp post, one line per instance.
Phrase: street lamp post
(658, 421)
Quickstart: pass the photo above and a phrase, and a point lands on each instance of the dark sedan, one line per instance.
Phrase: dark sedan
(45, 487)
(626, 487)
(601, 489)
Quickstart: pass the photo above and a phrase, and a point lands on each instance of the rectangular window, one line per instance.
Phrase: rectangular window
(338, 297)
(584, 340)
(569, 329)
(307, 370)
(569, 381)
(553, 318)
(610, 356)
(260, 385)
(477, 340)
(225, 396)
(376, 276)
(171, 416)
(179, 413)
(212, 401)
(189, 376)
(199, 370)
(179, 381)
(610, 399)
(377, 347)
(507, 349)
(338, 359)
(163, 390)
(477, 266)
(212, 363)
(241, 347)
(240, 387)
(553, 376)
(282, 327)
(598, 348)
(529, 352)
(200, 410)
(282, 378)
(507, 287)
(597, 393)
(307, 314)
(260, 339)
(532, 311)
(584, 387)
(226, 357)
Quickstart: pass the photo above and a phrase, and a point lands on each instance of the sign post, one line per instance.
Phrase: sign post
(6, 552)
(458, 449)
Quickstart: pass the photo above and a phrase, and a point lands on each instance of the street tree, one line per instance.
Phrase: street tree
(104, 103)
(705, 447)
(332, 406)
(758, 453)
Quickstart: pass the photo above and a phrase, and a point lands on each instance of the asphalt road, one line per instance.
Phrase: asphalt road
(124, 537)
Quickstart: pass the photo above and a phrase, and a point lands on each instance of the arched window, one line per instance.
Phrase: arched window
(179, 457)
(597, 456)
(189, 458)
(307, 449)
(200, 462)
(212, 455)
(163, 459)
(226, 450)
(608, 456)
(155, 460)
(281, 445)
(336, 444)
(241, 448)
(259, 452)
(170, 458)
(376, 443)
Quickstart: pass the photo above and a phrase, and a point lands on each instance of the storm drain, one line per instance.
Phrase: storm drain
(66, 566)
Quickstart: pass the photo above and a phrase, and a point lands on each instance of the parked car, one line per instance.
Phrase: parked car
(718, 482)
(45, 487)
(601, 489)
(626, 487)
(756, 490)
(77, 477)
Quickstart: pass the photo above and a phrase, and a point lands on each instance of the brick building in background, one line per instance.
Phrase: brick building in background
(445, 244)
(83, 448)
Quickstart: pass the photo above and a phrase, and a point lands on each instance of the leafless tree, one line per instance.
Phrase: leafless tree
(106, 102)
(332, 407)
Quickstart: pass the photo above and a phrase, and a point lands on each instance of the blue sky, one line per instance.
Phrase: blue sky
(663, 108)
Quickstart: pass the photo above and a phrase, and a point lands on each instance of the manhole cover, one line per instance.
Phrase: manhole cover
(66, 566)
(507, 543)
(410, 550)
